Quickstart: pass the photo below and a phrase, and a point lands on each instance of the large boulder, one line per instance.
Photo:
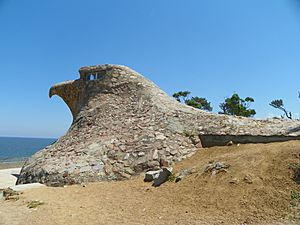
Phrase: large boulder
(124, 124)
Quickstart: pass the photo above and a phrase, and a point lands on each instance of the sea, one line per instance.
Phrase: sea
(15, 149)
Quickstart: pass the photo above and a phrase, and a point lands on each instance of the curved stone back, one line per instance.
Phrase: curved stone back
(124, 124)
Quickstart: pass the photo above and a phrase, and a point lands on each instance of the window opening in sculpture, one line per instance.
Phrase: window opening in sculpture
(91, 77)
(96, 76)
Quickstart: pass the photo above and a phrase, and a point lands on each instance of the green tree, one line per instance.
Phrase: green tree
(278, 104)
(181, 96)
(199, 103)
(196, 102)
(237, 106)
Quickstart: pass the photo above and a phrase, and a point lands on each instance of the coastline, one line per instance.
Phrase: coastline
(9, 165)
(14, 151)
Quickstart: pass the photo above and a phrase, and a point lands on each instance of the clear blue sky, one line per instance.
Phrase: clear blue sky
(211, 47)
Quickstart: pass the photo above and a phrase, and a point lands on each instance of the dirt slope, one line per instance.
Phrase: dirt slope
(255, 190)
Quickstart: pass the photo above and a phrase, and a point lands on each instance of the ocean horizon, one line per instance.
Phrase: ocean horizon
(16, 149)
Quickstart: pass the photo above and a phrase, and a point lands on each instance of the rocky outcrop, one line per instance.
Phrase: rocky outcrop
(124, 124)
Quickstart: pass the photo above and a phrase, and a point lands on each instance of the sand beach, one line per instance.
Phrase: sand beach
(8, 165)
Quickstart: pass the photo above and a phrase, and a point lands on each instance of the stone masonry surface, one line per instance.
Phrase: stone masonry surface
(124, 124)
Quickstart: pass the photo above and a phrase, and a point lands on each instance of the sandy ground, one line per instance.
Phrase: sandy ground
(8, 177)
(260, 194)
(10, 165)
